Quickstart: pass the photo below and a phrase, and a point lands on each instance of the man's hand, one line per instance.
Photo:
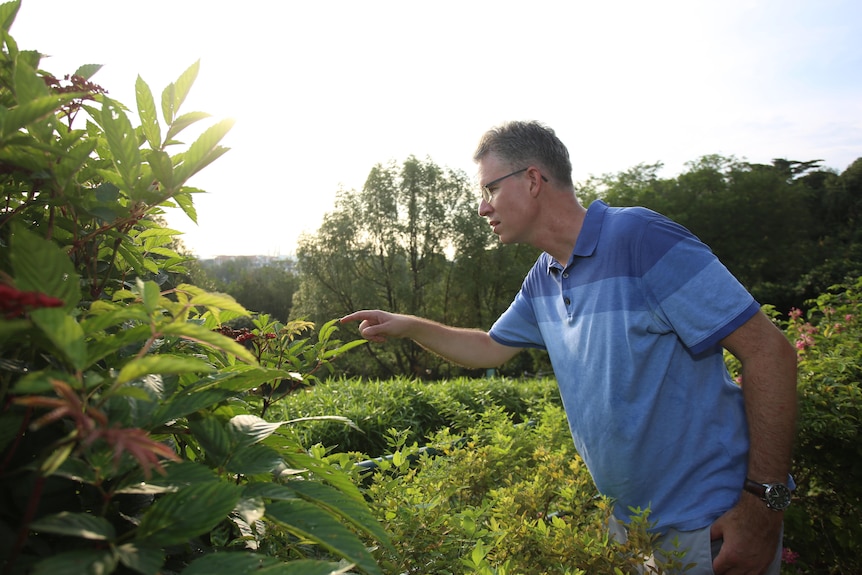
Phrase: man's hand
(468, 347)
(377, 325)
(751, 533)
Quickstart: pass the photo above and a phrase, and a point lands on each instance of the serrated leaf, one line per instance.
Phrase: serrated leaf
(201, 152)
(185, 202)
(40, 265)
(184, 84)
(144, 560)
(213, 437)
(194, 510)
(64, 332)
(81, 525)
(217, 300)
(184, 121)
(249, 429)
(147, 112)
(186, 403)
(214, 339)
(253, 460)
(230, 563)
(343, 506)
(162, 364)
(324, 471)
(177, 475)
(150, 294)
(14, 119)
(87, 71)
(77, 562)
(162, 167)
(306, 520)
(123, 144)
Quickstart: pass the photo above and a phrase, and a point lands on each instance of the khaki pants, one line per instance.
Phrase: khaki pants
(697, 545)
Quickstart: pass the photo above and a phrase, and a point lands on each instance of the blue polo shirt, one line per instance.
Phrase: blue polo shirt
(632, 325)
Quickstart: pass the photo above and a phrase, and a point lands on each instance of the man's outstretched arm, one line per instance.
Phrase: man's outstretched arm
(467, 347)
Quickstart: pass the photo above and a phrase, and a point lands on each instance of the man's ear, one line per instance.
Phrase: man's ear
(536, 180)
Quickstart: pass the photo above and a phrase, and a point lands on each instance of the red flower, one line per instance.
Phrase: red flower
(15, 303)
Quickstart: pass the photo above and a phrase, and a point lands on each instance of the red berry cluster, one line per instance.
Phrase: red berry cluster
(15, 303)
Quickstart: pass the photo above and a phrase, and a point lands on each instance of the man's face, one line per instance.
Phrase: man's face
(505, 201)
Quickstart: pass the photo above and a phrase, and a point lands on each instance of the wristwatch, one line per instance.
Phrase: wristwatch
(776, 495)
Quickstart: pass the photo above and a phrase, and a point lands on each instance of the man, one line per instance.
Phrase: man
(634, 312)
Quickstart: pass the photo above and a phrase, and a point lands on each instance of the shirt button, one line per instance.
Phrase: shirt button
(567, 301)
(565, 274)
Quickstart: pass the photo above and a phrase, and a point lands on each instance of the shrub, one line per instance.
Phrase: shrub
(822, 525)
(132, 436)
(418, 408)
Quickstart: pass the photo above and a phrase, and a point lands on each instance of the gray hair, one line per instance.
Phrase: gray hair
(521, 143)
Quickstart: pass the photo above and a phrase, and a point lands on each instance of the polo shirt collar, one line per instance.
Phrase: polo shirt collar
(588, 238)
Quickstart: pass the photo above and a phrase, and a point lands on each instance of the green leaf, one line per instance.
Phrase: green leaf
(184, 122)
(123, 144)
(8, 11)
(147, 112)
(213, 437)
(150, 294)
(217, 300)
(342, 349)
(185, 403)
(338, 504)
(28, 85)
(40, 265)
(13, 327)
(87, 71)
(203, 151)
(77, 563)
(163, 168)
(194, 510)
(310, 522)
(14, 119)
(64, 332)
(184, 200)
(324, 471)
(75, 524)
(178, 475)
(163, 364)
(105, 346)
(184, 84)
(250, 429)
(231, 563)
(144, 560)
(214, 339)
(253, 460)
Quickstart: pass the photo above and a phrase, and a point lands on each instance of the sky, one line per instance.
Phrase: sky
(322, 91)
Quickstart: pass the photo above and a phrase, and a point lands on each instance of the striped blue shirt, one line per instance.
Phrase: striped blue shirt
(632, 325)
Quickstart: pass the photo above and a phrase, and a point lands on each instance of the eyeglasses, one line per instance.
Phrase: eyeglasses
(488, 193)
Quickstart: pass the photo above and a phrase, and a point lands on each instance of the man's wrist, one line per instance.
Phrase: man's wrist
(777, 496)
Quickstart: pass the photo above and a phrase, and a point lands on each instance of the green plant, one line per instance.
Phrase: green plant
(511, 498)
(132, 430)
(821, 527)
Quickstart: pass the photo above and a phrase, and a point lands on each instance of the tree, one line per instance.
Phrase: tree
(410, 242)
(768, 223)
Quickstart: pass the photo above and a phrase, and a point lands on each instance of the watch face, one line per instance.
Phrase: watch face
(777, 496)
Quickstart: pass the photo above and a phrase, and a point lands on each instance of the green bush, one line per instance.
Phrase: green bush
(823, 525)
(418, 408)
(512, 498)
(132, 436)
